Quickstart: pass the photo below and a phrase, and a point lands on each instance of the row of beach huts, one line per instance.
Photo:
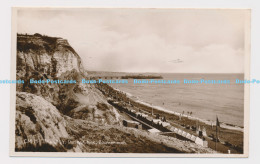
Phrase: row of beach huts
(142, 120)
(156, 124)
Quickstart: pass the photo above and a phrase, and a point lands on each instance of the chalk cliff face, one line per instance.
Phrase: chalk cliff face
(62, 117)
(49, 55)
(41, 109)
(41, 58)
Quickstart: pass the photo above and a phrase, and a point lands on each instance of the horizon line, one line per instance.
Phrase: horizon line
(172, 72)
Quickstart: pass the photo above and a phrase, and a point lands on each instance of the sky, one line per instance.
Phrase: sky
(146, 40)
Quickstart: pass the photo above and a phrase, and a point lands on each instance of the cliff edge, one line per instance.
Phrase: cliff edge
(72, 117)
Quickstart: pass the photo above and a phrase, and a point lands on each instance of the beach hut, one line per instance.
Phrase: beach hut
(150, 119)
(144, 115)
(204, 132)
(193, 138)
(165, 124)
(184, 134)
(169, 128)
(188, 136)
(157, 121)
(132, 124)
(154, 130)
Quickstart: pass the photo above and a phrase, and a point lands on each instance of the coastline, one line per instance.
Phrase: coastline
(230, 138)
(159, 108)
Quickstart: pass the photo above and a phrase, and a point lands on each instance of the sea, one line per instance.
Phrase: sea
(203, 101)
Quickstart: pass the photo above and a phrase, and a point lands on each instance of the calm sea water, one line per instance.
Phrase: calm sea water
(205, 101)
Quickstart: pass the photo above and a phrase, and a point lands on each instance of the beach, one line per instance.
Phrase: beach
(205, 101)
(231, 137)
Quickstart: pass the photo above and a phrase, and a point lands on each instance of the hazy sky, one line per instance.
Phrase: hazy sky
(146, 40)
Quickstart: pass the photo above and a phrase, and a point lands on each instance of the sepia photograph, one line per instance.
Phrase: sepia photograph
(130, 82)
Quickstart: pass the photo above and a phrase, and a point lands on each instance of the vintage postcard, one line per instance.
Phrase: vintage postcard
(130, 82)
